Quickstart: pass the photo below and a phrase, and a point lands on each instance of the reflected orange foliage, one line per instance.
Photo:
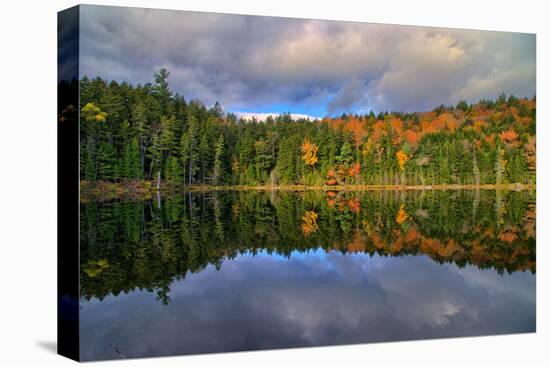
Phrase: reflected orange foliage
(449, 249)
(508, 235)
(412, 235)
(402, 215)
(358, 242)
(354, 205)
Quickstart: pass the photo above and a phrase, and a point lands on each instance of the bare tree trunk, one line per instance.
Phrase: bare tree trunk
(150, 171)
(498, 166)
(190, 170)
(476, 168)
(142, 154)
(158, 180)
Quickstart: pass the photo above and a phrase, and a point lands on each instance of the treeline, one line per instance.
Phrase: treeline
(147, 132)
(143, 244)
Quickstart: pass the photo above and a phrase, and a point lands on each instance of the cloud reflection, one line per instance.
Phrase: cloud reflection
(315, 298)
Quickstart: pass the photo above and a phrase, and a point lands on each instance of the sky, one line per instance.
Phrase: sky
(267, 65)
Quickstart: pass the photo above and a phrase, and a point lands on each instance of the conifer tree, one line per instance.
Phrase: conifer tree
(218, 160)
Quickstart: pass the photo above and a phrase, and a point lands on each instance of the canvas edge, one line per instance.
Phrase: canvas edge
(68, 187)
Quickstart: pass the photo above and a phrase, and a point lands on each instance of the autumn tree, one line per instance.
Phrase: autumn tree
(402, 159)
(309, 153)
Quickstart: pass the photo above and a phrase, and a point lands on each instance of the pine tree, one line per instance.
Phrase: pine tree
(143, 131)
(345, 156)
(262, 160)
(173, 171)
(162, 92)
(90, 158)
(516, 168)
(132, 165)
(286, 162)
(204, 151)
(218, 160)
(189, 150)
(106, 161)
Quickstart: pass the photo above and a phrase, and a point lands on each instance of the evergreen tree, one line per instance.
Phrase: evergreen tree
(345, 156)
(162, 92)
(218, 161)
(106, 162)
(132, 166)
(286, 162)
(189, 150)
(173, 171)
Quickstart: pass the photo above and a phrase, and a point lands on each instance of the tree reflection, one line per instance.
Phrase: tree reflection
(309, 223)
(128, 245)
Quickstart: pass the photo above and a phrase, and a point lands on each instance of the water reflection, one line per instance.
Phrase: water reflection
(213, 272)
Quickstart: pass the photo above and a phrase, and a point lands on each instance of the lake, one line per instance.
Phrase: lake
(205, 272)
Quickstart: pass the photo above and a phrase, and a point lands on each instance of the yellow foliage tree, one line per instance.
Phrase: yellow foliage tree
(90, 112)
(309, 223)
(309, 152)
(402, 159)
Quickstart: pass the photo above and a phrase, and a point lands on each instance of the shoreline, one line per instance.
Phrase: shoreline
(514, 187)
(147, 188)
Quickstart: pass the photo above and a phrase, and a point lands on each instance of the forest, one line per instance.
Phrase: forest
(127, 245)
(147, 133)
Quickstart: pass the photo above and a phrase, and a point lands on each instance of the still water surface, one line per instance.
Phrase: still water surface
(232, 271)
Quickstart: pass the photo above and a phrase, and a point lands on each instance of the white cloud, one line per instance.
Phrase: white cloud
(261, 116)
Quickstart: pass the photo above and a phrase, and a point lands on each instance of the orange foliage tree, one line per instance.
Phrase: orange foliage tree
(509, 136)
(341, 173)
(357, 128)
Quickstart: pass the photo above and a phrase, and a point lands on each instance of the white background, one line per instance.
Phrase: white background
(28, 182)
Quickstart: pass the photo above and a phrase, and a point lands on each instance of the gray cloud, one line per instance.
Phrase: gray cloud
(347, 97)
(247, 62)
(310, 299)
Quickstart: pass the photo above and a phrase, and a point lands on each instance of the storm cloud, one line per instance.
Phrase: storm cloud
(314, 67)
